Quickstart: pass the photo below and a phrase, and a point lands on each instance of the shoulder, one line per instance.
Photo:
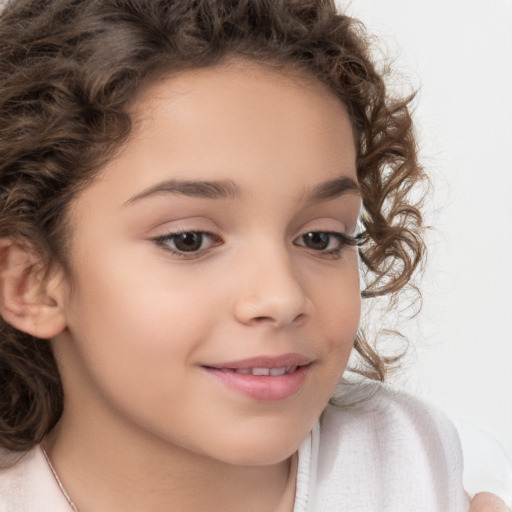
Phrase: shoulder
(389, 449)
(392, 423)
(14, 466)
(380, 409)
(27, 484)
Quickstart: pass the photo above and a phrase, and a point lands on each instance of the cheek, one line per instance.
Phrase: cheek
(339, 306)
(132, 319)
(340, 333)
(343, 322)
(131, 346)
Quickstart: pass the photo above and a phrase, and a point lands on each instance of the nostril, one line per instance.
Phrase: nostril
(299, 318)
(275, 320)
(263, 319)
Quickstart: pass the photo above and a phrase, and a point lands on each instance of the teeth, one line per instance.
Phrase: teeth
(261, 371)
(245, 371)
(266, 371)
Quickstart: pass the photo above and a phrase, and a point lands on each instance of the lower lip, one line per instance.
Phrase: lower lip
(266, 388)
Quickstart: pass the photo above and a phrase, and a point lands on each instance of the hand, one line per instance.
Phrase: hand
(487, 502)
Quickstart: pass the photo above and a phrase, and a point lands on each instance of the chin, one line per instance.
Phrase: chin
(263, 450)
(261, 457)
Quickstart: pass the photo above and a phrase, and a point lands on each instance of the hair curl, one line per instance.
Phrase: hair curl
(70, 68)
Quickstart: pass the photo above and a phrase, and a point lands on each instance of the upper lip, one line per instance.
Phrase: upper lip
(281, 361)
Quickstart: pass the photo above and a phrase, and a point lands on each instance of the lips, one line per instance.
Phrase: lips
(270, 362)
(263, 378)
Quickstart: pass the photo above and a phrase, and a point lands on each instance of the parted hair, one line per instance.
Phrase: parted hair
(69, 70)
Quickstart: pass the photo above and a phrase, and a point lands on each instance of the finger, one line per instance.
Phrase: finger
(487, 502)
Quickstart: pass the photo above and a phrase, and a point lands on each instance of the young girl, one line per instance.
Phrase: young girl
(189, 190)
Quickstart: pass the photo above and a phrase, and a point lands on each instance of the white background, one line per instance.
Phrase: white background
(459, 54)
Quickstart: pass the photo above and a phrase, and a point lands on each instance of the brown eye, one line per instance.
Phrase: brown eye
(317, 240)
(327, 244)
(188, 242)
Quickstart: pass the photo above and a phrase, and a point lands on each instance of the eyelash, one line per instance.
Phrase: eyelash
(343, 240)
(164, 242)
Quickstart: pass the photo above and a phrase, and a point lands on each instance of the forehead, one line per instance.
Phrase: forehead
(245, 106)
(241, 122)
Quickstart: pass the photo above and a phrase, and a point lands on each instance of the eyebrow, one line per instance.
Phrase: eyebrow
(332, 189)
(227, 189)
(200, 189)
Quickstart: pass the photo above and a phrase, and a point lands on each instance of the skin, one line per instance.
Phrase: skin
(487, 502)
(144, 424)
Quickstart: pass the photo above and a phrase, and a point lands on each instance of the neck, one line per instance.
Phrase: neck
(127, 474)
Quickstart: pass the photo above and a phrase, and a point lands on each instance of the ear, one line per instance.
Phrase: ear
(28, 301)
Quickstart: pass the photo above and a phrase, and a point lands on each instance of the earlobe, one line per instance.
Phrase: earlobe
(28, 301)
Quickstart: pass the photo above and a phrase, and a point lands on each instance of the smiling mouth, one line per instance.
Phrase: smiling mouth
(263, 379)
(264, 364)
(260, 372)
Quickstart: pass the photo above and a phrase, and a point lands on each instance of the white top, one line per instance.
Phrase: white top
(387, 452)
(380, 450)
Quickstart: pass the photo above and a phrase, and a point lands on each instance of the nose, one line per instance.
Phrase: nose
(270, 291)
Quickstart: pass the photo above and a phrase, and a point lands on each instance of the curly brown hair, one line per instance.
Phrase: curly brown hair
(70, 68)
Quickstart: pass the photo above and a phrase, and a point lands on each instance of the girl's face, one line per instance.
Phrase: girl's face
(214, 302)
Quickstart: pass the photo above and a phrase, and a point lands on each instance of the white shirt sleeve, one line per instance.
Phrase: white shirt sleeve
(486, 467)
